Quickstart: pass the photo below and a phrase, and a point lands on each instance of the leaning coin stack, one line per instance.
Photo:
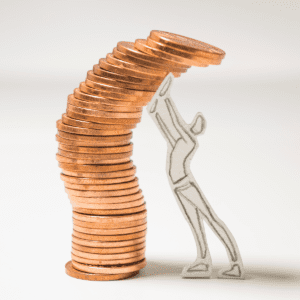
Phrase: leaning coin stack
(109, 212)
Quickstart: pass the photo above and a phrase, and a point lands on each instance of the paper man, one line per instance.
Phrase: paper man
(182, 145)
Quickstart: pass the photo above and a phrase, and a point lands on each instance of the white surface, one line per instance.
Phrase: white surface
(248, 160)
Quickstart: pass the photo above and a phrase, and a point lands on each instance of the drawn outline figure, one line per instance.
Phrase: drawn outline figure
(182, 145)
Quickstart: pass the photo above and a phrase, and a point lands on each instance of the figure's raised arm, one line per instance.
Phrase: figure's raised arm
(176, 122)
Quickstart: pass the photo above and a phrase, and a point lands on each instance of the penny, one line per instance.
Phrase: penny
(103, 187)
(96, 244)
(148, 64)
(187, 44)
(130, 49)
(95, 126)
(110, 231)
(125, 85)
(128, 72)
(110, 270)
(95, 277)
(109, 212)
(112, 238)
(112, 193)
(133, 106)
(108, 256)
(110, 220)
(111, 121)
(116, 174)
(124, 78)
(144, 47)
(116, 96)
(96, 138)
(110, 58)
(96, 168)
(100, 106)
(109, 250)
(69, 160)
(96, 208)
(184, 56)
(111, 200)
(107, 262)
(77, 180)
(109, 226)
(111, 156)
(84, 131)
(118, 90)
(105, 114)
(90, 143)
(97, 150)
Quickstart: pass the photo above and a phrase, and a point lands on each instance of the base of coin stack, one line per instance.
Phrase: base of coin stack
(109, 211)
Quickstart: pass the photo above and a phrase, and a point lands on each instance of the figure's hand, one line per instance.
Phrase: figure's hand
(198, 125)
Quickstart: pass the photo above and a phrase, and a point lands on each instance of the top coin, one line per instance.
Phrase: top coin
(187, 44)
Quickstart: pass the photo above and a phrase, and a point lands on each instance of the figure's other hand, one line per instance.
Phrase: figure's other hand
(198, 125)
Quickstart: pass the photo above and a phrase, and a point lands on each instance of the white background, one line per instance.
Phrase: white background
(247, 163)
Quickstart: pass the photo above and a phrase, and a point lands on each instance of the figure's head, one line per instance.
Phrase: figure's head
(198, 125)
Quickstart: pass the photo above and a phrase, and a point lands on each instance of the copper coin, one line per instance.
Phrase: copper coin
(144, 47)
(191, 58)
(133, 106)
(84, 131)
(96, 244)
(110, 58)
(96, 168)
(117, 96)
(77, 180)
(108, 256)
(109, 219)
(77, 155)
(125, 85)
(116, 174)
(128, 72)
(109, 212)
(97, 150)
(95, 277)
(94, 138)
(77, 143)
(107, 262)
(107, 200)
(146, 63)
(112, 238)
(104, 114)
(108, 250)
(96, 209)
(111, 121)
(124, 78)
(79, 161)
(110, 108)
(95, 126)
(133, 267)
(130, 49)
(103, 187)
(112, 193)
(119, 231)
(118, 90)
(187, 44)
(109, 226)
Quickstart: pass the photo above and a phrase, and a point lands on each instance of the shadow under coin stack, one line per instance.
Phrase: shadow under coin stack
(109, 212)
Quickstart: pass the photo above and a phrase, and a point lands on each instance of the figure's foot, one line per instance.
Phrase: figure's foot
(199, 269)
(236, 271)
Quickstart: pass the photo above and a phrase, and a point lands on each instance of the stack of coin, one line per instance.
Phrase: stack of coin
(109, 212)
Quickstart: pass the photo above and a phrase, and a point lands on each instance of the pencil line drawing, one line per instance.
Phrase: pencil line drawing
(182, 144)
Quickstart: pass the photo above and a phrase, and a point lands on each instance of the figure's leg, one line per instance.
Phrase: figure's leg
(193, 194)
(202, 267)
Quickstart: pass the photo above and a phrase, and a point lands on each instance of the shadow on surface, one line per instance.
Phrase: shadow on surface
(254, 273)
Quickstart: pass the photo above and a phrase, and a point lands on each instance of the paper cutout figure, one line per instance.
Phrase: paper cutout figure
(182, 145)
